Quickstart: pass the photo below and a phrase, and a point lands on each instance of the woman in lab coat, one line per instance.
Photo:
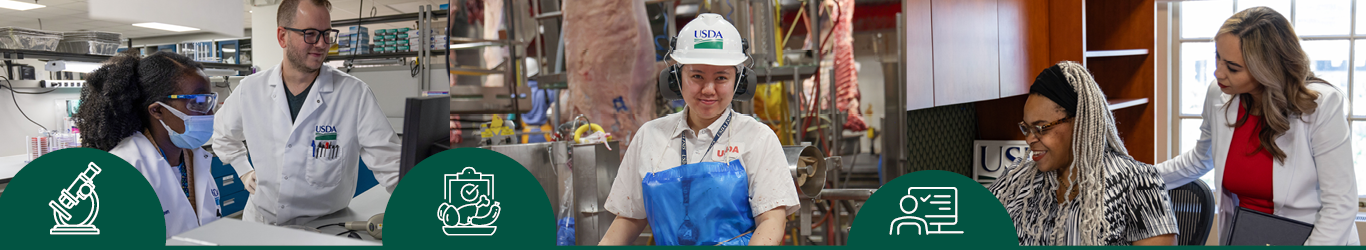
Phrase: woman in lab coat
(156, 112)
(1275, 135)
(707, 175)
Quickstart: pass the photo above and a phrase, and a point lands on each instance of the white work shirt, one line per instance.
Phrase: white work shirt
(165, 180)
(656, 147)
(297, 180)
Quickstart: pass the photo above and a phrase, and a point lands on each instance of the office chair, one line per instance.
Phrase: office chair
(1193, 205)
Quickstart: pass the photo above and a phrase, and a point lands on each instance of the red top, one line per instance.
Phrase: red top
(1247, 170)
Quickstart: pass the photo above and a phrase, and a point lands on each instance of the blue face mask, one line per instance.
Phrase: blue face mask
(198, 129)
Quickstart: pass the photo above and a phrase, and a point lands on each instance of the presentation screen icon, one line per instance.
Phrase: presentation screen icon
(927, 210)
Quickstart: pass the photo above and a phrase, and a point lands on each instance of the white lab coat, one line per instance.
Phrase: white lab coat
(294, 186)
(165, 180)
(1316, 184)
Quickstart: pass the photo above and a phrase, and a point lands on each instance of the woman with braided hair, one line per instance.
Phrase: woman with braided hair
(156, 112)
(1275, 135)
(1080, 186)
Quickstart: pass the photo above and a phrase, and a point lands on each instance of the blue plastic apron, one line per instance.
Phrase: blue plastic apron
(703, 204)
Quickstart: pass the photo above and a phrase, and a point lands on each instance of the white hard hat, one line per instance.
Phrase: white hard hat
(532, 67)
(709, 39)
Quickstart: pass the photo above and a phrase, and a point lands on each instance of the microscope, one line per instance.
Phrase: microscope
(84, 187)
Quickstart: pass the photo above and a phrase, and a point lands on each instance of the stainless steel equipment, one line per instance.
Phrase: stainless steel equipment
(807, 165)
(594, 169)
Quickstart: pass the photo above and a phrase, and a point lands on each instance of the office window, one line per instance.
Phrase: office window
(1326, 32)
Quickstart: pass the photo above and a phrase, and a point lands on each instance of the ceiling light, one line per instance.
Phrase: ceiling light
(166, 27)
(16, 5)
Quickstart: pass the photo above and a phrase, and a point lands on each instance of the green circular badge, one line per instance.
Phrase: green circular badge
(81, 195)
(469, 197)
(932, 208)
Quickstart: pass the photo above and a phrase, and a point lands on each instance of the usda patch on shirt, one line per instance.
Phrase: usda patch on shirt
(324, 143)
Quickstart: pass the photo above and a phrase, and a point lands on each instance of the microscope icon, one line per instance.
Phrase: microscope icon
(84, 189)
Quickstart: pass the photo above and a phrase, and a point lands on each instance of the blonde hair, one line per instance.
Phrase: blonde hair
(1273, 56)
(1094, 135)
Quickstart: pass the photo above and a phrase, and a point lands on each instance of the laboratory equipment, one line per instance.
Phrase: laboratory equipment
(29, 39)
(90, 42)
(49, 141)
(22, 72)
(374, 226)
(84, 189)
(37, 146)
(199, 51)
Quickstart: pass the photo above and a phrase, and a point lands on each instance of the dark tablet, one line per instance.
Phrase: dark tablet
(1255, 228)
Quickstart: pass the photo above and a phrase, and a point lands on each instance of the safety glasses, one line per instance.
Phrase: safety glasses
(311, 35)
(202, 103)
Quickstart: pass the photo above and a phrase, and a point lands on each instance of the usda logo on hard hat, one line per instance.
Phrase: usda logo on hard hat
(711, 40)
(707, 39)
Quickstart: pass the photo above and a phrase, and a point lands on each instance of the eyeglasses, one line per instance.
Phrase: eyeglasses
(312, 35)
(202, 103)
(1027, 129)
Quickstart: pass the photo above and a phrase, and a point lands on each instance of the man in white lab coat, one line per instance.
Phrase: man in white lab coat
(306, 126)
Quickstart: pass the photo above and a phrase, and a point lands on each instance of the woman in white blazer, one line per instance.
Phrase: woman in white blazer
(1275, 135)
(156, 113)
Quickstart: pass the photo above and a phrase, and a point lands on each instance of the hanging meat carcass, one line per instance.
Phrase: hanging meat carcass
(609, 57)
(841, 37)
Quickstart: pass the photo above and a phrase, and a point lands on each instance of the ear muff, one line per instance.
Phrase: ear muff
(744, 84)
(669, 82)
(745, 79)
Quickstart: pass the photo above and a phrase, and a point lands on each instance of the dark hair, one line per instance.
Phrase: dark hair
(284, 16)
(1052, 83)
(115, 99)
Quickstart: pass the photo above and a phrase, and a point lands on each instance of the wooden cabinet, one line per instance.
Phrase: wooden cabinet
(919, 55)
(1024, 49)
(1118, 43)
(966, 51)
(961, 51)
(1113, 38)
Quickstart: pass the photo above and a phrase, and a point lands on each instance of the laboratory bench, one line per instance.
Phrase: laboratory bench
(235, 232)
